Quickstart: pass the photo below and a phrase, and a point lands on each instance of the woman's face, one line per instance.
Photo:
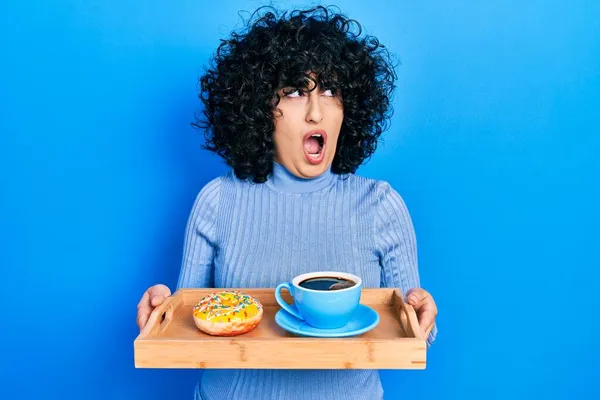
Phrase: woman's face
(307, 130)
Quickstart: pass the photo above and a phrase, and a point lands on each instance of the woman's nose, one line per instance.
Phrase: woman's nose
(314, 113)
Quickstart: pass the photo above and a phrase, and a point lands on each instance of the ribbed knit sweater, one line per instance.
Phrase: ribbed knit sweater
(245, 234)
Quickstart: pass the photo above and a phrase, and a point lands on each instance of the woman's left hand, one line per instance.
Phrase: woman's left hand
(425, 308)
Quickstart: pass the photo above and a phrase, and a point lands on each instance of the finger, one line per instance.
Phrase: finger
(421, 300)
(426, 317)
(160, 289)
(144, 309)
(145, 300)
(151, 298)
(430, 326)
(157, 300)
(158, 294)
(417, 296)
(143, 315)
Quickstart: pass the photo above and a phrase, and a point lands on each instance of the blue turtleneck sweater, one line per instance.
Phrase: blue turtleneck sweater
(243, 234)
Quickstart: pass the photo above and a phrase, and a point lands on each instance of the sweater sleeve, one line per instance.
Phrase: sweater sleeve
(396, 244)
(200, 239)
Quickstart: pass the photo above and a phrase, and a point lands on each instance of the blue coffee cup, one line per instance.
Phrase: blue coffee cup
(316, 303)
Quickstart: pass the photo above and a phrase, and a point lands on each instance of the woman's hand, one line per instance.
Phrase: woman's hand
(152, 298)
(425, 308)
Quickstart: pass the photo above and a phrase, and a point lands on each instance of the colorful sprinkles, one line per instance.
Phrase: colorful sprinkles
(226, 305)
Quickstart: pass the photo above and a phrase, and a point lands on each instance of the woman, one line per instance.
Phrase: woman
(295, 105)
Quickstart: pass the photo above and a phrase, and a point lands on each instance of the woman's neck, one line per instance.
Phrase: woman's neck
(282, 179)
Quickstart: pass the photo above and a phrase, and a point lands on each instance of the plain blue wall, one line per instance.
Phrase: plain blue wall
(493, 145)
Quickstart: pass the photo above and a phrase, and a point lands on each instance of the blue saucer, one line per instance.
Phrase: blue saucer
(363, 320)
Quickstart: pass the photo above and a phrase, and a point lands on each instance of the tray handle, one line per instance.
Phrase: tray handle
(159, 318)
(408, 316)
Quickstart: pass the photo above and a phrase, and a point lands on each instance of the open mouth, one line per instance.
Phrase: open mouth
(314, 146)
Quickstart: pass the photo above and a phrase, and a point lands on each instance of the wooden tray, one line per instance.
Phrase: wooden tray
(171, 340)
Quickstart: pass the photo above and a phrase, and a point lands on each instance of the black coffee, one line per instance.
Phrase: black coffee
(326, 283)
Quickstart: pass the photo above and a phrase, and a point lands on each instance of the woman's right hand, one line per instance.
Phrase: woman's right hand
(152, 298)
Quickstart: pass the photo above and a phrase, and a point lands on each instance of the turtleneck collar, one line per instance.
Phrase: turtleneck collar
(283, 180)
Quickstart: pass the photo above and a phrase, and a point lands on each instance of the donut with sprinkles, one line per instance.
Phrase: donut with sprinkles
(227, 313)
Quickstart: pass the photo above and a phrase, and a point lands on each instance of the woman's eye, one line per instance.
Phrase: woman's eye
(301, 93)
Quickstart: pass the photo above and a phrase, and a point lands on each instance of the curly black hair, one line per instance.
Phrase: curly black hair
(238, 90)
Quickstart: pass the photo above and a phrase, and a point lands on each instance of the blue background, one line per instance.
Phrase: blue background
(494, 146)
